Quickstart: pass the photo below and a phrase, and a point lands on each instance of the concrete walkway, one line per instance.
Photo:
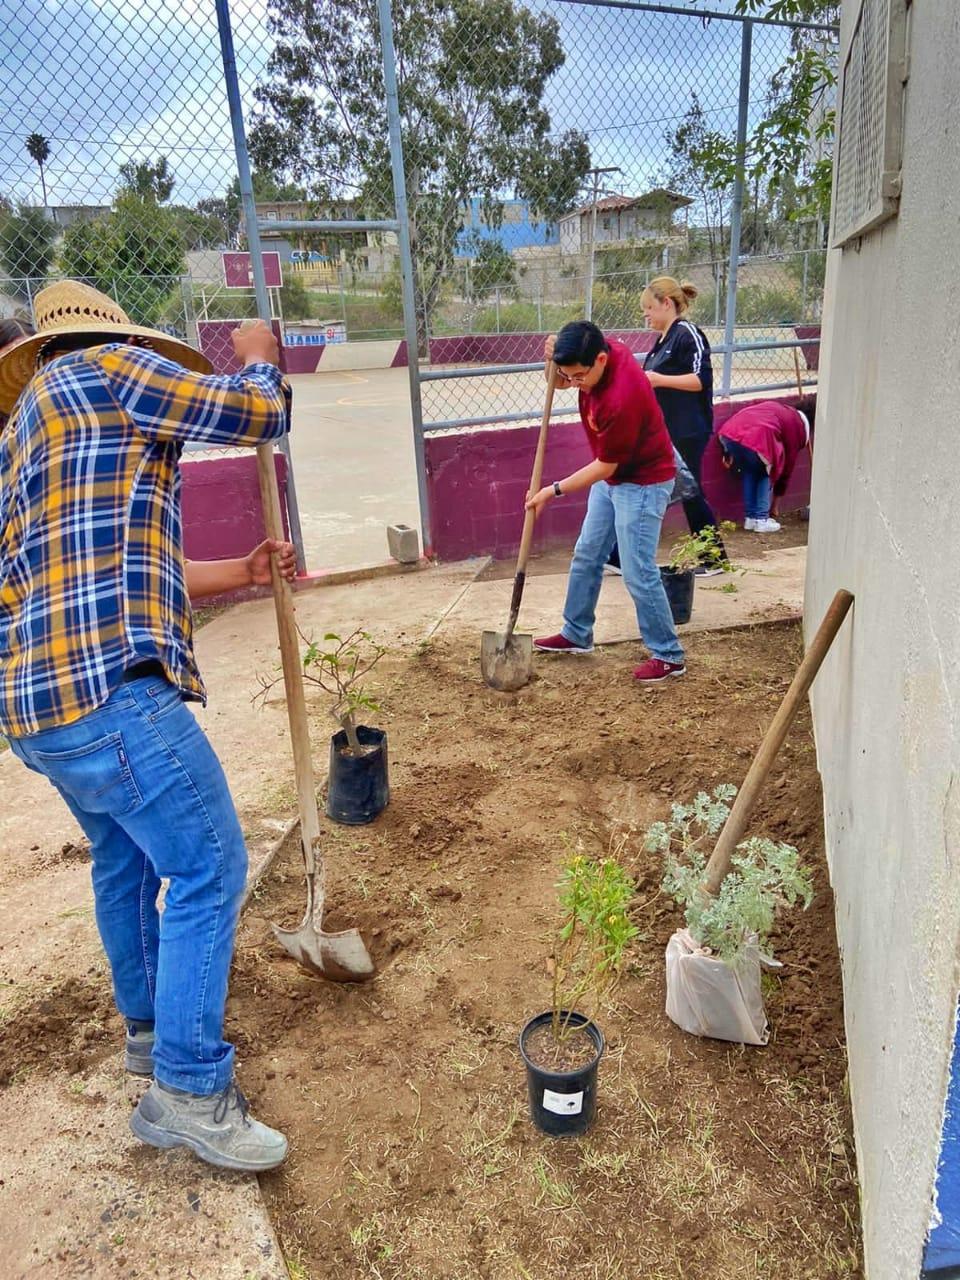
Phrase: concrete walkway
(79, 1196)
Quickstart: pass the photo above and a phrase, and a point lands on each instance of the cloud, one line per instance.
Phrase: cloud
(113, 80)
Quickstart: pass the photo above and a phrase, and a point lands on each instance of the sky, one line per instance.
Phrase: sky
(113, 80)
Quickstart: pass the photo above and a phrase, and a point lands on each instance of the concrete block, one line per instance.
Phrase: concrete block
(404, 543)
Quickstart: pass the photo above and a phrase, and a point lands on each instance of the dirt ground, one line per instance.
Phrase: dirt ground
(412, 1157)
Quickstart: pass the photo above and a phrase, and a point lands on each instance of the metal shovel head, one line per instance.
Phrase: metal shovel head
(340, 957)
(506, 666)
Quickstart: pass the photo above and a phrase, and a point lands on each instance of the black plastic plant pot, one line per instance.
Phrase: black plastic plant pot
(563, 1104)
(359, 786)
(679, 589)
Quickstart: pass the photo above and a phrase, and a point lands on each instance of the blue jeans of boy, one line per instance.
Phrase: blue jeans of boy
(754, 477)
(631, 516)
(143, 782)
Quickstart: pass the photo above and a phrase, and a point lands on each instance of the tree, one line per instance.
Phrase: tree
(135, 255)
(471, 78)
(794, 139)
(26, 248)
(491, 266)
(703, 165)
(39, 149)
(148, 181)
(792, 142)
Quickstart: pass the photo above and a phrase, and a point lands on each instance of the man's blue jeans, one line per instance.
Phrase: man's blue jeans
(142, 780)
(754, 476)
(631, 516)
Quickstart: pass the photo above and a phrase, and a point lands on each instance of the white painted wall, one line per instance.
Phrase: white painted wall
(886, 524)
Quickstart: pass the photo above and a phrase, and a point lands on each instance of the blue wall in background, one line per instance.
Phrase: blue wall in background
(943, 1247)
(516, 232)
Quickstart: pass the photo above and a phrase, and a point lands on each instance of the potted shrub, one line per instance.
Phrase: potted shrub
(686, 555)
(358, 787)
(713, 966)
(562, 1047)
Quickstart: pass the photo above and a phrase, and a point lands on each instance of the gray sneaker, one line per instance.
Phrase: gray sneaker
(218, 1128)
(138, 1050)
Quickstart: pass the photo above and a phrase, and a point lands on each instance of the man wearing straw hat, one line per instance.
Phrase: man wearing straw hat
(96, 662)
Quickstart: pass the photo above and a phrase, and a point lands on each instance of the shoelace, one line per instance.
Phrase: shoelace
(231, 1097)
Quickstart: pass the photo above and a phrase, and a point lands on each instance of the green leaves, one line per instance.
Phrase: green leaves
(135, 254)
(593, 934)
(703, 547)
(471, 79)
(27, 249)
(339, 666)
(765, 876)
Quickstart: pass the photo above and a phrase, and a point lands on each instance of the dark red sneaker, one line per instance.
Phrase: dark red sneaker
(559, 644)
(655, 669)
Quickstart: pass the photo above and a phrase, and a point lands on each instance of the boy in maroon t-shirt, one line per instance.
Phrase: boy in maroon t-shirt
(630, 481)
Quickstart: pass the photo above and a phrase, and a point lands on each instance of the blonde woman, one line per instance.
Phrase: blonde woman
(681, 374)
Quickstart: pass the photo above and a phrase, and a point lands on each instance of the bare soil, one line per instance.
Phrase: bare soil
(412, 1156)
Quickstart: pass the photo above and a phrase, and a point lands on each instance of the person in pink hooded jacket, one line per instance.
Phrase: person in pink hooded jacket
(762, 442)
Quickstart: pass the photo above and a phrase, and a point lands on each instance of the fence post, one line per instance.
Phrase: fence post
(406, 262)
(736, 212)
(253, 241)
(803, 296)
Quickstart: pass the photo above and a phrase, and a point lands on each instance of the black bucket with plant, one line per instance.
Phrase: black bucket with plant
(358, 786)
(700, 550)
(563, 1046)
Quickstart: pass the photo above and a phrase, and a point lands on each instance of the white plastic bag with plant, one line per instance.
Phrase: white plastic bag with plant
(713, 966)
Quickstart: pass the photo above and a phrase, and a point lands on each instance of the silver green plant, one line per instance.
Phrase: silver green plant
(764, 877)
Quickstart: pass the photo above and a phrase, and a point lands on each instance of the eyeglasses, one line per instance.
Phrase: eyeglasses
(578, 377)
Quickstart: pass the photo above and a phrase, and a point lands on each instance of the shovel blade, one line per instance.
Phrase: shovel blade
(506, 666)
(339, 957)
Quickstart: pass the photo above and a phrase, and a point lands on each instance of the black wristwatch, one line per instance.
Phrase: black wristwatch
(556, 489)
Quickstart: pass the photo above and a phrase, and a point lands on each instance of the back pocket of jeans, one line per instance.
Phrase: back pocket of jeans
(97, 776)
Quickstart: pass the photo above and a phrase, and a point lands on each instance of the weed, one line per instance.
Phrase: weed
(552, 1193)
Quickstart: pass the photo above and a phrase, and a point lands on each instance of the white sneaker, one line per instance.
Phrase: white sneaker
(750, 524)
(766, 526)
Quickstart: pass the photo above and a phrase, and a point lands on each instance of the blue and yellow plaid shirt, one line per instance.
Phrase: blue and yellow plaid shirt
(91, 560)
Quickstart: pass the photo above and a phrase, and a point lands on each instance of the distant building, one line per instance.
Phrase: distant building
(626, 219)
(66, 215)
(316, 256)
(518, 228)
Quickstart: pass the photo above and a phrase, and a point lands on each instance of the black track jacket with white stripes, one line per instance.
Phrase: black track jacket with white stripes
(684, 349)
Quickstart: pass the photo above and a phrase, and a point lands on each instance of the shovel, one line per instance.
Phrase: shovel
(506, 660)
(705, 995)
(341, 957)
(739, 816)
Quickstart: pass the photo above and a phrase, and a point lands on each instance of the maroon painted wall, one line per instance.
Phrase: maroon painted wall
(216, 345)
(477, 482)
(220, 500)
(509, 348)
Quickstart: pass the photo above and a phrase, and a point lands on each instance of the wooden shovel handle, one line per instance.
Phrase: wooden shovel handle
(526, 538)
(736, 823)
(292, 671)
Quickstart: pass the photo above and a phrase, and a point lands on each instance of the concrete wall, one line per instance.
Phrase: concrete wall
(220, 502)
(886, 703)
(477, 481)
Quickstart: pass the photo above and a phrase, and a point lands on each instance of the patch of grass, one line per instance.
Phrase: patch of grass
(552, 1192)
(489, 1157)
(296, 1269)
(373, 1250)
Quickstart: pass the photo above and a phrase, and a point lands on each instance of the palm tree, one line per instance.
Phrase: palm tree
(39, 149)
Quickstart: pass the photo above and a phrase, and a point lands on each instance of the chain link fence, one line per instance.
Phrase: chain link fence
(558, 154)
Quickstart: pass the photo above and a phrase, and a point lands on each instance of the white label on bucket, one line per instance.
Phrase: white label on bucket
(562, 1104)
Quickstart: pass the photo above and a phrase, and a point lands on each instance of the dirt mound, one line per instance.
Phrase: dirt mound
(64, 1029)
(404, 1099)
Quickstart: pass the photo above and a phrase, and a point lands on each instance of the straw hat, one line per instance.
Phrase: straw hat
(71, 307)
